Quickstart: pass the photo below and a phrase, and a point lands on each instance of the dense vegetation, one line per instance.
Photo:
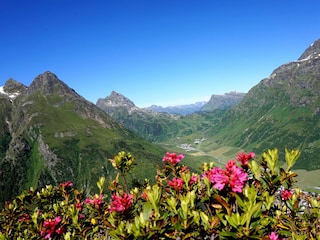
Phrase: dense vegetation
(248, 198)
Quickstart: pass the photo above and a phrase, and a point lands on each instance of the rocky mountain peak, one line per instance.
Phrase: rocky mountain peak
(223, 102)
(48, 83)
(115, 100)
(12, 86)
(301, 73)
(311, 52)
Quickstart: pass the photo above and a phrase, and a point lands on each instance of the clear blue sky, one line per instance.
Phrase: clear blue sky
(163, 52)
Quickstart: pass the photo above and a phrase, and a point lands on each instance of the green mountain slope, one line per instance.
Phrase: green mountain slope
(153, 126)
(281, 111)
(50, 134)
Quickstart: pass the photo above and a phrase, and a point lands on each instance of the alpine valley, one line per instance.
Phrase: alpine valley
(50, 134)
(281, 111)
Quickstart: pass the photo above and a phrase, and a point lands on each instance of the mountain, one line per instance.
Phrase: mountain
(281, 111)
(151, 125)
(222, 102)
(179, 109)
(50, 134)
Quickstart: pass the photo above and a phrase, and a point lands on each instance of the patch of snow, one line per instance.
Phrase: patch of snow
(11, 96)
(2, 91)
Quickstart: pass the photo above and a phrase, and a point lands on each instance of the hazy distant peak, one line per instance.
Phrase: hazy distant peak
(117, 99)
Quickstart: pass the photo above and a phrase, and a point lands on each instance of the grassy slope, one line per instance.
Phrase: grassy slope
(82, 144)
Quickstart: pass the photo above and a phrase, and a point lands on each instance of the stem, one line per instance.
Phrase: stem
(125, 181)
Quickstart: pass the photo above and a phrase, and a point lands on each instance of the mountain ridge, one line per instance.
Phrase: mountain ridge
(51, 134)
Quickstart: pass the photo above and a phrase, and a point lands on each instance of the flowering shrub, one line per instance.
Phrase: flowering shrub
(246, 199)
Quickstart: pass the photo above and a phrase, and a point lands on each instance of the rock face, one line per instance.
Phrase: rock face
(50, 134)
(48, 83)
(223, 102)
(116, 100)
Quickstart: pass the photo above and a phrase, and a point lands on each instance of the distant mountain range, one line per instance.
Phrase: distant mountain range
(222, 102)
(179, 109)
(50, 134)
(158, 124)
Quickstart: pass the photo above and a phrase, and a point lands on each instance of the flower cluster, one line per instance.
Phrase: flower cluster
(244, 158)
(286, 194)
(172, 158)
(176, 183)
(51, 227)
(120, 203)
(66, 184)
(96, 201)
(193, 179)
(233, 177)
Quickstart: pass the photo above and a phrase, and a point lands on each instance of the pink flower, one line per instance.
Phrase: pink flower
(233, 177)
(172, 158)
(51, 227)
(144, 195)
(96, 201)
(286, 194)
(193, 179)
(79, 206)
(217, 176)
(66, 184)
(120, 203)
(273, 236)
(176, 183)
(244, 158)
(230, 165)
(237, 178)
(25, 217)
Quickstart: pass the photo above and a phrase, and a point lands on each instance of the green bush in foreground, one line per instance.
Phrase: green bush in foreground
(248, 199)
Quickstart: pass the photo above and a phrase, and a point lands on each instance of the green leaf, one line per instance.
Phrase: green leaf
(291, 157)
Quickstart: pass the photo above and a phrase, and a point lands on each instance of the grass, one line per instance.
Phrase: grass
(34, 166)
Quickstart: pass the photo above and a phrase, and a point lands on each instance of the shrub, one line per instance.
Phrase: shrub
(247, 199)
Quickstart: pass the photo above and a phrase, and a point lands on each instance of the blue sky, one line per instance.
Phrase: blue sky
(163, 52)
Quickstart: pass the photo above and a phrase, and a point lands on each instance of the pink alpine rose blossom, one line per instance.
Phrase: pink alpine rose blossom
(233, 177)
(244, 158)
(144, 195)
(79, 206)
(172, 158)
(217, 177)
(286, 194)
(120, 203)
(176, 183)
(193, 179)
(96, 201)
(51, 227)
(66, 184)
(273, 236)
